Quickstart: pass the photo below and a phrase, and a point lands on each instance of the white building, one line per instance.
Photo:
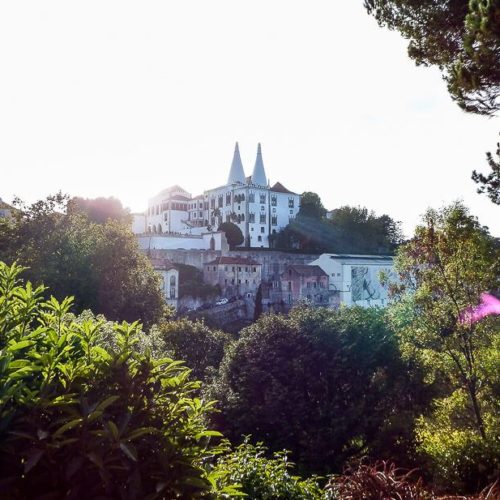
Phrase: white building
(250, 202)
(169, 276)
(357, 277)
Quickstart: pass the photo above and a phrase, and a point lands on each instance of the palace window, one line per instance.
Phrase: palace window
(262, 229)
(251, 198)
(172, 287)
(274, 200)
(251, 218)
(262, 218)
(274, 220)
(291, 202)
(262, 198)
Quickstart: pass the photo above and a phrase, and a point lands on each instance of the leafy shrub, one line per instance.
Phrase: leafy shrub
(79, 419)
(264, 478)
(458, 457)
(201, 347)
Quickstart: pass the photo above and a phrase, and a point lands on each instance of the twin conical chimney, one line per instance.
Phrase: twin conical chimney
(236, 174)
(259, 174)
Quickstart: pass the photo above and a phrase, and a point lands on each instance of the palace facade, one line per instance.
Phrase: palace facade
(251, 203)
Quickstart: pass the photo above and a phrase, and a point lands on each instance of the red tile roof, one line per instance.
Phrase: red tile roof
(279, 188)
(306, 270)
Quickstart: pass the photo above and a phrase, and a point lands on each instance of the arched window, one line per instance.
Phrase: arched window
(212, 243)
(172, 287)
(159, 229)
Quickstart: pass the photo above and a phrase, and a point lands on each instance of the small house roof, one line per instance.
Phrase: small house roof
(306, 270)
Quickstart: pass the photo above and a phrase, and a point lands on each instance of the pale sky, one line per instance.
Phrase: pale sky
(118, 98)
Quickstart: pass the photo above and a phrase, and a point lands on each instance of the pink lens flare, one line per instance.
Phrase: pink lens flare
(489, 305)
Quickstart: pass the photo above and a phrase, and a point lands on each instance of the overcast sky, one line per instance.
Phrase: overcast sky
(105, 98)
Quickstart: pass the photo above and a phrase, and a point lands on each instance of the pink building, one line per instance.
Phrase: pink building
(305, 283)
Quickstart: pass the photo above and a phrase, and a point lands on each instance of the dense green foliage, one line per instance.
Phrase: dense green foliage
(233, 234)
(191, 283)
(99, 264)
(311, 206)
(462, 38)
(326, 385)
(79, 419)
(100, 210)
(446, 266)
(490, 184)
(195, 343)
(347, 230)
(264, 478)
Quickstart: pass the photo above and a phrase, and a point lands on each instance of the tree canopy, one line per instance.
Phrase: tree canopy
(325, 385)
(490, 184)
(233, 234)
(201, 347)
(443, 271)
(346, 230)
(99, 264)
(461, 38)
(100, 209)
(311, 206)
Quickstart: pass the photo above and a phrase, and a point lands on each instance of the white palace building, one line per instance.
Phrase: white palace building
(258, 208)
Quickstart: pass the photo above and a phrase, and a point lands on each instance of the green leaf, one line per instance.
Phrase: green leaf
(67, 426)
(33, 458)
(114, 429)
(129, 450)
(21, 345)
(208, 434)
(140, 432)
(107, 402)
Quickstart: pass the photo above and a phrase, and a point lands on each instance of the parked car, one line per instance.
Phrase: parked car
(221, 302)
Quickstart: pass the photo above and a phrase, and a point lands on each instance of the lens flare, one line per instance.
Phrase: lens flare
(489, 305)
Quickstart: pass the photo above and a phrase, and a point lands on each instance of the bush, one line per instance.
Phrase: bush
(82, 419)
(378, 481)
(456, 454)
(325, 385)
(195, 343)
(264, 478)
(191, 284)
